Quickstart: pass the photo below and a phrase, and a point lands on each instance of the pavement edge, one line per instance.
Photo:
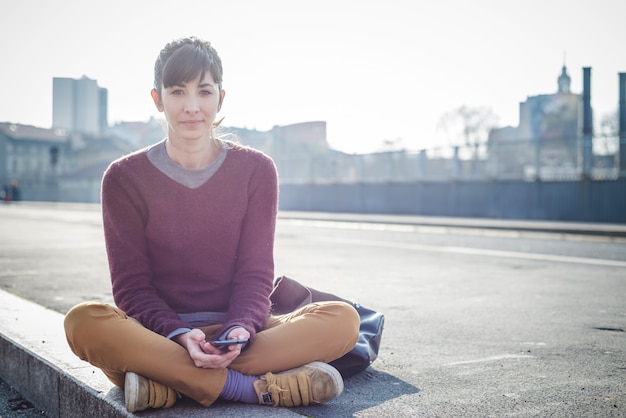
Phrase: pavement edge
(35, 360)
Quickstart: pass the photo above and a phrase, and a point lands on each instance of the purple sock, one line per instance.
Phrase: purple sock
(238, 387)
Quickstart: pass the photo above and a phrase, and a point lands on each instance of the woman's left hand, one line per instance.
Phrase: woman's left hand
(238, 333)
(206, 355)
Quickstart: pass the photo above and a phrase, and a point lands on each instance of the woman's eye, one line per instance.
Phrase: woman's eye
(177, 92)
(206, 92)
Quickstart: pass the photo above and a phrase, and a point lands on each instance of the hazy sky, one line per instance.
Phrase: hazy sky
(373, 70)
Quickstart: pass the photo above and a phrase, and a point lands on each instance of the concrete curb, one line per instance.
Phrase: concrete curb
(520, 226)
(36, 360)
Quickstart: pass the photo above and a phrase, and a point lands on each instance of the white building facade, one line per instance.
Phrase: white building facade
(79, 105)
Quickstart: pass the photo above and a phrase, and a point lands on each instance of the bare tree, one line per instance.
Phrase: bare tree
(396, 144)
(468, 126)
(608, 133)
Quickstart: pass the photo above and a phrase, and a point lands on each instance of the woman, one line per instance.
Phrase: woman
(189, 230)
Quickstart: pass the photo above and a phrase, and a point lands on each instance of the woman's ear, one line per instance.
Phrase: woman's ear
(219, 105)
(157, 100)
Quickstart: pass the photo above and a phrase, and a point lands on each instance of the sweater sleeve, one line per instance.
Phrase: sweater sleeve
(124, 213)
(249, 304)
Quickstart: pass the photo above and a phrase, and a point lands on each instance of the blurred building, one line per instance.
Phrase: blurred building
(79, 105)
(547, 137)
(33, 159)
(138, 134)
(55, 165)
(288, 141)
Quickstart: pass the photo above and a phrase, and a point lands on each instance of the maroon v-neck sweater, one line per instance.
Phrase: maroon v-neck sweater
(173, 249)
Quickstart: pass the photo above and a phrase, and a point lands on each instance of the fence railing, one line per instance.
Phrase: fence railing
(519, 160)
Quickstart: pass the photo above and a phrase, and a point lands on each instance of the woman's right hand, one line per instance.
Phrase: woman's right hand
(202, 353)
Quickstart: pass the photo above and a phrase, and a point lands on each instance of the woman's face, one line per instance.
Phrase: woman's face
(190, 108)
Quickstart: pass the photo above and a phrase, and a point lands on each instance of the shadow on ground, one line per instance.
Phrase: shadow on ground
(365, 390)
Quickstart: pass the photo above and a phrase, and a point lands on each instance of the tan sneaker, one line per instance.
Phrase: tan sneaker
(315, 382)
(142, 393)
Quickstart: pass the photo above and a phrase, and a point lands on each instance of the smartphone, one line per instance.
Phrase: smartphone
(223, 344)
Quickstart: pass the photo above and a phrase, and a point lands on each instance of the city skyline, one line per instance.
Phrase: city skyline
(373, 71)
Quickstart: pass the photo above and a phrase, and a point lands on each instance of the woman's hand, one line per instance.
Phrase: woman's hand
(204, 354)
(238, 333)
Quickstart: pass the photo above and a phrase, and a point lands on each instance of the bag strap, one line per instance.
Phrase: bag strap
(318, 296)
(288, 295)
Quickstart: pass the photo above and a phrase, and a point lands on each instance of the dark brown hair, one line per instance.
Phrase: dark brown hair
(183, 60)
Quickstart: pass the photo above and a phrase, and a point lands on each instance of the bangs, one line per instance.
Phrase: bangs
(187, 64)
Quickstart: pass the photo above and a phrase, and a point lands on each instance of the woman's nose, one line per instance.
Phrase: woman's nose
(191, 105)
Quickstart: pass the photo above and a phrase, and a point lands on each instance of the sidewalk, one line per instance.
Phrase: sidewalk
(35, 358)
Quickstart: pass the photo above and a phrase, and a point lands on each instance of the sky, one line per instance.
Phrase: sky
(375, 71)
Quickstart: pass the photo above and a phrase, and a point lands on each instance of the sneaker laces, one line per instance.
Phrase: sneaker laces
(289, 389)
(161, 396)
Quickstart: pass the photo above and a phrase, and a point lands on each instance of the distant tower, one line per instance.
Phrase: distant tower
(564, 81)
(79, 105)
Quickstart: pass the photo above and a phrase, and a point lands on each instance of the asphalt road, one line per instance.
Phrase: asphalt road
(478, 322)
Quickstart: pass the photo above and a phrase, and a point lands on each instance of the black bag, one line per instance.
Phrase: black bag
(289, 295)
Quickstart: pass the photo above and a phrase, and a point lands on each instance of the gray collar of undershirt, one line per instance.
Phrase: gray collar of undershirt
(189, 177)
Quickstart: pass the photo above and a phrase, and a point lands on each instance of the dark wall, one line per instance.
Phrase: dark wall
(577, 201)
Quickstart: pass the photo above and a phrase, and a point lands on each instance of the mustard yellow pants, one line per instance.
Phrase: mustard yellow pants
(107, 338)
